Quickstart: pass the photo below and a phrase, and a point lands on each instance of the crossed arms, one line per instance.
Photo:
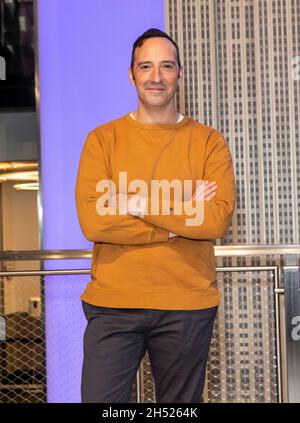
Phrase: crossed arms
(149, 228)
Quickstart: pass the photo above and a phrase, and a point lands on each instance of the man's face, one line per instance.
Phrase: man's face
(156, 72)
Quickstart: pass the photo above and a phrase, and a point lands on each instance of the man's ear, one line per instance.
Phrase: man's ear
(131, 76)
(180, 76)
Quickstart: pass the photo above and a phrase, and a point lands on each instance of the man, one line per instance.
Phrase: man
(153, 262)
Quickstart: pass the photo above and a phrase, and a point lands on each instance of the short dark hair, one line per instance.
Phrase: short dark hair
(152, 33)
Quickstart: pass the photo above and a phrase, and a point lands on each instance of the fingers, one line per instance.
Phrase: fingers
(205, 191)
(210, 187)
(210, 191)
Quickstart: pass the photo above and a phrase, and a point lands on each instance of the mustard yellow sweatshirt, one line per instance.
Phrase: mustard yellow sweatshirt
(134, 263)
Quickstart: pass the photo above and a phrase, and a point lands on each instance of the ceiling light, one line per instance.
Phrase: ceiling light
(20, 176)
(17, 165)
(34, 186)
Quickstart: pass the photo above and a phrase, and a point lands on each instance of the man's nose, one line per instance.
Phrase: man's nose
(155, 75)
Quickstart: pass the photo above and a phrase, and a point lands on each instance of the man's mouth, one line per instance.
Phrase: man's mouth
(155, 89)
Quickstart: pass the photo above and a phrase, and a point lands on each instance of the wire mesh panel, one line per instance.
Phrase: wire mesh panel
(22, 343)
(41, 348)
(243, 359)
(242, 364)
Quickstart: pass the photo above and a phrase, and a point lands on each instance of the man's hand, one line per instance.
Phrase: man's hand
(206, 192)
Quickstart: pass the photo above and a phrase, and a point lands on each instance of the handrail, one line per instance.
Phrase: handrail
(290, 251)
(52, 272)
(224, 250)
(45, 255)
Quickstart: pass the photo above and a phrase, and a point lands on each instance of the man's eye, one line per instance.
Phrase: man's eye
(147, 67)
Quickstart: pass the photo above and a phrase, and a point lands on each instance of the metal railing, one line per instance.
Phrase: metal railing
(258, 318)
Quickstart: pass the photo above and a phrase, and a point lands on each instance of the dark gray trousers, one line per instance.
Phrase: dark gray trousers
(116, 339)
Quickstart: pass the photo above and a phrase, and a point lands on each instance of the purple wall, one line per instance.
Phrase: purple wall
(84, 50)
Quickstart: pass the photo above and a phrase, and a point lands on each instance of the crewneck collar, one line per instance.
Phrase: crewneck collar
(152, 126)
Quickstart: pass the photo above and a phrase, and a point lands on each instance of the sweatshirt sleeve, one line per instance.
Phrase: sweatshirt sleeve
(115, 229)
(216, 213)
